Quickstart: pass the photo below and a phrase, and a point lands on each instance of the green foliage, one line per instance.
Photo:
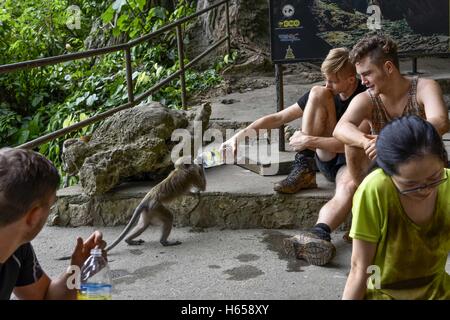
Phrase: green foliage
(38, 101)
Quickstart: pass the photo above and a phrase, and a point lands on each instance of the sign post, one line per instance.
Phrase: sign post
(293, 39)
(280, 102)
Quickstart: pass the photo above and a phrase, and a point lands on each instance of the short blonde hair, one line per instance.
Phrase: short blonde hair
(338, 62)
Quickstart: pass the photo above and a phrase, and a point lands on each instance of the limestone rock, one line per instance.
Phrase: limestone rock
(127, 144)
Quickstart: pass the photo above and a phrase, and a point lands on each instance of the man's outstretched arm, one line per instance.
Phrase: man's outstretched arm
(271, 121)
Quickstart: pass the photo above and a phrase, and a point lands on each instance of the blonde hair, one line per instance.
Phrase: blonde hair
(338, 62)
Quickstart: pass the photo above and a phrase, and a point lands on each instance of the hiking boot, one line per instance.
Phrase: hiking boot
(302, 176)
(310, 247)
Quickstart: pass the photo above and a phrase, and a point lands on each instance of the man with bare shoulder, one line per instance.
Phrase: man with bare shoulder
(390, 95)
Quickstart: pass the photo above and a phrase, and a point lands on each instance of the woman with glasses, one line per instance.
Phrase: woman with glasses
(401, 218)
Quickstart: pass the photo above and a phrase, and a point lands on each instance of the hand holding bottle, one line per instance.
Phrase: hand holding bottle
(83, 248)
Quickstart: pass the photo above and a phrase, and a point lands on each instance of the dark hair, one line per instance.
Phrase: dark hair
(379, 48)
(406, 138)
(25, 177)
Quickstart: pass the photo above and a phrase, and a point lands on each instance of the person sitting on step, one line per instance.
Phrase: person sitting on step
(320, 109)
(401, 221)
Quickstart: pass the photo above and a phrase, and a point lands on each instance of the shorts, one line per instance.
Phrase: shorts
(330, 168)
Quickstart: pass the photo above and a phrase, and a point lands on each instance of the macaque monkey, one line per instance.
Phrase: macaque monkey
(185, 177)
(182, 180)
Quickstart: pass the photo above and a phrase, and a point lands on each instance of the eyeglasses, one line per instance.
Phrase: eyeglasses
(423, 186)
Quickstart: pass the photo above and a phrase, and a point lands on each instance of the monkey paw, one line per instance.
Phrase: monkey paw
(135, 242)
(170, 243)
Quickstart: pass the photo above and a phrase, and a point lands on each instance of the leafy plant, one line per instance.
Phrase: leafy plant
(38, 101)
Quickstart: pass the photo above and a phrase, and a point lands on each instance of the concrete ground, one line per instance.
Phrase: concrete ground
(214, 264)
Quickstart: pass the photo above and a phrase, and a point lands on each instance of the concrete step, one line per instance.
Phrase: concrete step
(235, 198)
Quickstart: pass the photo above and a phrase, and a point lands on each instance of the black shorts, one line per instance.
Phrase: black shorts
(330, 168)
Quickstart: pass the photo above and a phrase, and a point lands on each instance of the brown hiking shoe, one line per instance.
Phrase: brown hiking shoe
(309, 247)
(302, 176)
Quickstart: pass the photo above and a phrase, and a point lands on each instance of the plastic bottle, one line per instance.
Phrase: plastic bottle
(212, 158)
(96, 281)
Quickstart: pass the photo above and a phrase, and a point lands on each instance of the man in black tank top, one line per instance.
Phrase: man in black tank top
(320, 109)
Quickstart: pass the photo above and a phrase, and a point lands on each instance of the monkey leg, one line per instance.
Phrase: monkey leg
(142, 224)
(166, 218)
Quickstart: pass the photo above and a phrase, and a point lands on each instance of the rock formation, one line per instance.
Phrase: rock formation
(131, 142)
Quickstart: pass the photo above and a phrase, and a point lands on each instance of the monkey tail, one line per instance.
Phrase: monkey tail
(131, 223)
(127, 229)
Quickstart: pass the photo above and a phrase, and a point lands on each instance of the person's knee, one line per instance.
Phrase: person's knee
(347, 186)
(321, 93)
(350, 187)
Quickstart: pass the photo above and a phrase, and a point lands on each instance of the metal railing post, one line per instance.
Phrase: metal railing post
(129, 75)
(280, 102)
(181, 61)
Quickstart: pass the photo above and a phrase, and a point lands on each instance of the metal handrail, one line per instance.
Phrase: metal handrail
(126, 47)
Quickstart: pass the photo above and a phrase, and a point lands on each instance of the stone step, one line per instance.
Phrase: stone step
(235, 198)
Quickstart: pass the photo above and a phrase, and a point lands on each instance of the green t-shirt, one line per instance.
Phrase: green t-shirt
(411, 258)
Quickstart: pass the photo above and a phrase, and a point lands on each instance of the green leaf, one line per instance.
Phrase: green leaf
(43, 148)
(68, 121)
(108, 15)
(122, 22)
(23, 136)
(141, 4)
(83, 116)
(38, 99)
(143, 79)
(33, 126)
(159, 12)
(116, 32)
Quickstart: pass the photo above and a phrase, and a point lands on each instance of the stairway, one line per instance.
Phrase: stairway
(235, 198)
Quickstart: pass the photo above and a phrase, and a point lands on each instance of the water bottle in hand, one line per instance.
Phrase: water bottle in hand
(95, 278)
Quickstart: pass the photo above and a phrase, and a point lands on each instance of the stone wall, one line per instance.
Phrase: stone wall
(228, 211)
